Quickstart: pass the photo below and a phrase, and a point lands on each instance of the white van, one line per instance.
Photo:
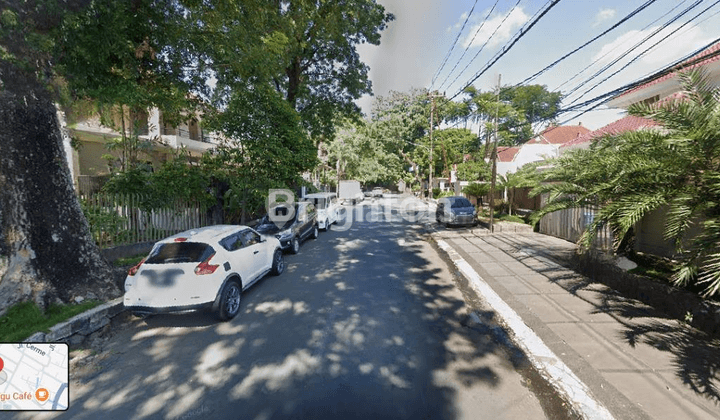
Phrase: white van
(327, 206)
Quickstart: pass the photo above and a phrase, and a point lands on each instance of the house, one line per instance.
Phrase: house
(628, 123)
(92, 157)
(666, 83)
(544, 146)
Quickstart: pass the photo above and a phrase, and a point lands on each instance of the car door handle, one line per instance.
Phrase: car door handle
(256, 252)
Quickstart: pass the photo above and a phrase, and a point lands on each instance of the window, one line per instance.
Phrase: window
(181, 252)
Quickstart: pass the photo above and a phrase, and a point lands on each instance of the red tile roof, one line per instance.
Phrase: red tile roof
(628, 123)
(559, 134)
(507, 154)
(683, 66)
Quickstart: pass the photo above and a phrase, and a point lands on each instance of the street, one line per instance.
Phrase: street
(367, 321)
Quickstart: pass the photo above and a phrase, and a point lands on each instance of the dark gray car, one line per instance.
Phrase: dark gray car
(455, 211)
(302, 224)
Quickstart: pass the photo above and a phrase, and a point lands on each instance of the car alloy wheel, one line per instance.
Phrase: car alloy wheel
(278, 263)
(229, 301)
(295, 245)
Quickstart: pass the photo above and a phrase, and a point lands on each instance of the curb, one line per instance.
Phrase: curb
(550, 367)
(76, 329)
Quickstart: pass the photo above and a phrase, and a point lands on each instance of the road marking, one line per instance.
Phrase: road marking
(545, 361)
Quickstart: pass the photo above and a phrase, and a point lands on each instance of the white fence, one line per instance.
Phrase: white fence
(121, 219)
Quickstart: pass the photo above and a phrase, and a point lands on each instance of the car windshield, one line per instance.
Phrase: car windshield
(180, 252)
(460, 203)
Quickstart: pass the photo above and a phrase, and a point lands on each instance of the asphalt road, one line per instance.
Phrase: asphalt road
(367, 322)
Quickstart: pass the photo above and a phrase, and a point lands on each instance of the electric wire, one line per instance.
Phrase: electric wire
(481, 48)
(620, 22)
(649, 48)
(507, 48)
(628, 51)
(615, 48)
(454, 43)
(482, 25)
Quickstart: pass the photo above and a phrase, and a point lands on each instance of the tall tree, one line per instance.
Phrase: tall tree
(632, 174)
(51, 50)
(323, 72)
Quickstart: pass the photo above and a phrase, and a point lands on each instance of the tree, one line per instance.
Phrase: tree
(304, 49)
(535, 103)
(59, 50)
(634, 173)
(269, 148)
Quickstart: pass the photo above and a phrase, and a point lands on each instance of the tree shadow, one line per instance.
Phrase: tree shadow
(360, 325)
(695, 354)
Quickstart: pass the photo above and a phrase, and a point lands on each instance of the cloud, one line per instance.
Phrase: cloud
(516, 19)
(603, 15)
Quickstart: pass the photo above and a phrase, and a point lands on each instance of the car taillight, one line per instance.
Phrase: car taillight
(135, 269)
(205, 267)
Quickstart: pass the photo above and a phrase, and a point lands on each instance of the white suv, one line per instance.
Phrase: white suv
(327, 206)
(205, 268)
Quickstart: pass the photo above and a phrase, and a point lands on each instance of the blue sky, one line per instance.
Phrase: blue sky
(415, 44)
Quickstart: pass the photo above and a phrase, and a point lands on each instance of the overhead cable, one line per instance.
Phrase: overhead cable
(482, 25)
(506, 49)
(454, 43)
(616, 47)
(481, 48)
(650, 47)
(623, 20)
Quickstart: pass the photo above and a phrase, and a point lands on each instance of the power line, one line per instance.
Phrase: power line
(481, 48)
(623, 20)
(615, 48)
(506, 49)
(454, 43)
(650, 47)
(482, 25)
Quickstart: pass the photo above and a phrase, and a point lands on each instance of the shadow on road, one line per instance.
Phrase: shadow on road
(361, 325)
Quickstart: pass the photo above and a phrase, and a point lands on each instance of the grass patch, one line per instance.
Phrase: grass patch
(128, 261)
(25, 319)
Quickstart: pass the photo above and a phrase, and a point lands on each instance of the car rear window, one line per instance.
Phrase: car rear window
(319, 202)
(460, 203)
(180, 252)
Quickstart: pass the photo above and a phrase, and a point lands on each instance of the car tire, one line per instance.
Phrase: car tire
(229, 305)
(315, 232)
(295, 245)
(278, 264)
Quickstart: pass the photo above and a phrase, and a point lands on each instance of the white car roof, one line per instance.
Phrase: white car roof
(207, 233)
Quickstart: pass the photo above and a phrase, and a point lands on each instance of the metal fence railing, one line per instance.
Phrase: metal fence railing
(569, 224)
(125, 219)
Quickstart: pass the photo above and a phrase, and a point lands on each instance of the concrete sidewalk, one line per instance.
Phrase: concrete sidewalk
(610, 356)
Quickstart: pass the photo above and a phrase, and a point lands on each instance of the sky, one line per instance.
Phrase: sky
(413, 47)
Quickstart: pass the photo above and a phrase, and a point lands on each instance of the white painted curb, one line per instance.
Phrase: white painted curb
(544, 360)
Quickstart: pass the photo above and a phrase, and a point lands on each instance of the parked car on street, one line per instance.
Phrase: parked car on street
(377, 192)
(455, 210)
(205, 268)
(327, 207)
(290, 224)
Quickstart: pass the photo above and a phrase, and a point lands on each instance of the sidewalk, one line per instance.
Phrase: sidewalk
(610, 356)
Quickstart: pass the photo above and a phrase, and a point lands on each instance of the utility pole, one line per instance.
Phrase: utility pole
(432, 111)
(494, 161)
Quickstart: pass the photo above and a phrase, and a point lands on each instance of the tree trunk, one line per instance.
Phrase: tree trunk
(51, 254)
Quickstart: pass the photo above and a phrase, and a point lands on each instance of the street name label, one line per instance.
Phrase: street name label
(34, 376)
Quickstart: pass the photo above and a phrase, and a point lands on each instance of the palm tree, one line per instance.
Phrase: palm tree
(675, 167)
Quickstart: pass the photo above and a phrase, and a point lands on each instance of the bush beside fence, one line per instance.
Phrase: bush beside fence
(117, 219)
